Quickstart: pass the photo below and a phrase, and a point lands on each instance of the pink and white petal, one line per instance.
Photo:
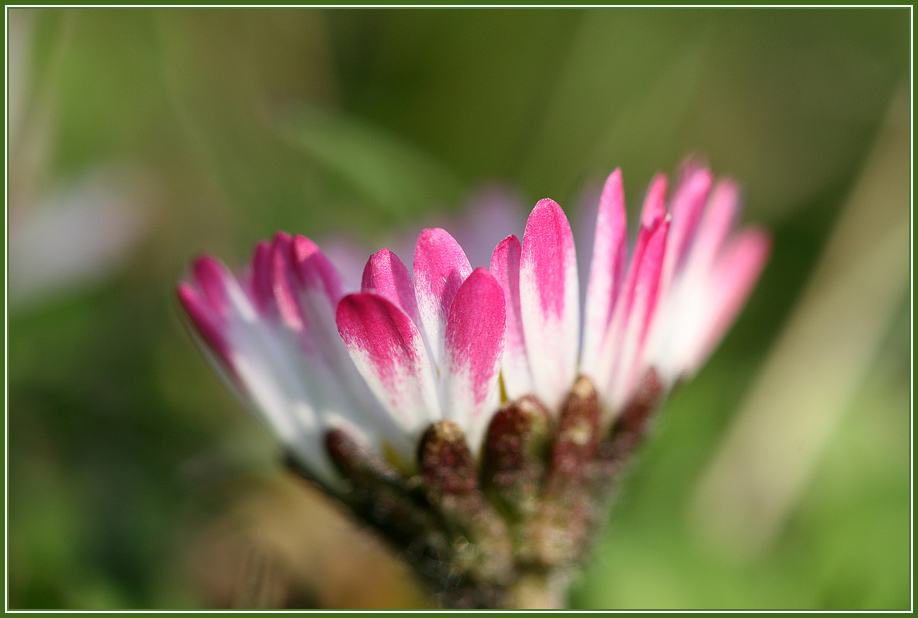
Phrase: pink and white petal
(505, 267)
(333, 381)
(306, 289)
(715, 226)
(266, 369)
(274, 386)
(607, 358)
(606, 270)
(207, 323)
(550, 302)
(212, 277)
(629, 366)
(290, 387)
(261, 279)
(688, 206)
(388, 277)
(626, 296)
(305, 286)
(317, 292)
(315, 270)
(474, 346)
(647, 286)
(735, 274)
(390, 354)
(309, 395)
(440, 267)
(285, 283)
(675, 341)
(689, 167)
(654, 208)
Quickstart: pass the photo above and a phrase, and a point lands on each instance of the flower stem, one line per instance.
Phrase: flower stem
(538, 591)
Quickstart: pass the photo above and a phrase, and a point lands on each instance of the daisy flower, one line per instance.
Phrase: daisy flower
(477, 418)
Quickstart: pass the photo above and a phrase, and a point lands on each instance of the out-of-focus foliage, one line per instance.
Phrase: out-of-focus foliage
(136, 481)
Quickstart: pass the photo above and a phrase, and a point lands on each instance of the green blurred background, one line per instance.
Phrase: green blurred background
(778, 478)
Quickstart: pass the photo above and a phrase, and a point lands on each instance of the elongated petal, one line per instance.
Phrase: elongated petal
(387, 276)
(736, 272)
(440, 267)
(315, 270)
(212, 279)
(260, 279)
(626, 298)
(549, 299)
(714, 226)
(270, 378)
(205, 320)
(306, 288)
(606, 270)
(284, 283)
(474, 345)
(261, 365)
(317, 293)
(608, 356)
(654, 208)
(639, 316)
(309, 286)
(505, 267)
(647, 289)
(689, 167)
(389, 352)
(688, 206)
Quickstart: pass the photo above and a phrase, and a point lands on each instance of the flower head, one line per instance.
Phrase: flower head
(477, 418)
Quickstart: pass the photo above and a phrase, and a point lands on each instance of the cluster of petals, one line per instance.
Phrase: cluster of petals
(663, 306)
(383, 363)
(446, 341)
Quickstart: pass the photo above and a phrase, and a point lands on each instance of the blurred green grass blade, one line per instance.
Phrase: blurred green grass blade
(389, 173)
